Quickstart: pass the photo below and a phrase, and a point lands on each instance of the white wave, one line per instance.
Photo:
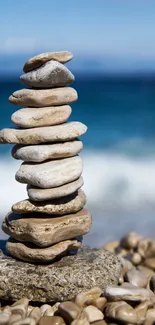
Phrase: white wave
(120, 193)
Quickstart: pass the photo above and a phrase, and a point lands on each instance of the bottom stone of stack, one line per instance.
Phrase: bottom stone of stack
(59, 281)
(45, 230)
(30, 253)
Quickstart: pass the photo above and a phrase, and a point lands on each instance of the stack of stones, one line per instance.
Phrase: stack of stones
(51, 222)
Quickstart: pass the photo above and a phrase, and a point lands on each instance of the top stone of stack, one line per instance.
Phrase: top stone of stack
(40, 59)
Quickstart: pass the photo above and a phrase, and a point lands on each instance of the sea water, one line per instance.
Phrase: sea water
(118, 154)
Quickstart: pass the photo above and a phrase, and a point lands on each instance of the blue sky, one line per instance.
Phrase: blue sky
(91, 28)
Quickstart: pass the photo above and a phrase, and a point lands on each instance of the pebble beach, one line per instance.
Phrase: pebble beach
(131, 301)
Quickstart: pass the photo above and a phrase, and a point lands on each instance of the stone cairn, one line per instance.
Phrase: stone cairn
(48, 224)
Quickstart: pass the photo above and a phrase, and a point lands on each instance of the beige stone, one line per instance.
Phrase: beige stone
(111, 246)
(32, 117)
(14, 318)
(25, 321)
(50, 174)
(69, 311)
(38, 60)
(151, 314)
(122, 312)
(82, 321)
(83, 298)
(33, 254)
(50, 74)
(130, 293)
(43, 308)
(146, 247)
(39, 194)
(44, 231)
(5, 315)
(136, 258)
(131, 240)
(40, 153)
(20, 306)
(43, 97)
(65, 205)
(145, 270)
(136, 278)
(93, 314)
(150, 262)
(142, 308)
(100, 322)
(56, 133)
(35, 314)
(99, 303)
(51, 320)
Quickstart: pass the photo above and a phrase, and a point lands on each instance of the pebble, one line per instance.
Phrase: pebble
(111, 246)
(43, 308)
(150, 262)
(116, 293)
(50, 174)
(5, 315)
(38, 60)
(145, 270)
(43, 97)
(50, 74)
(35, 314)
(83, 321)
(44, 116)
(65, 205)
(38, 194)
(136, 259)
(131, 240)
(146, 247)
(122, 312)
(43, 231)
(69, 311)
(93, 314)
(142, 308)
(14, 318)
(136, 278)
(51, 320)
(100, 322)
(83, 298)
(33, 254)
(56, 133)
(25, 321)
(40, 153)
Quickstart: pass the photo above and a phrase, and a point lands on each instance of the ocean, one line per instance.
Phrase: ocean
(118, 154)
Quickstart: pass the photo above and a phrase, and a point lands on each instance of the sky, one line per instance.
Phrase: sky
(110, 29)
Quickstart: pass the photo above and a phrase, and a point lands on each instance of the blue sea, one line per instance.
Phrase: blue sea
(118, 154)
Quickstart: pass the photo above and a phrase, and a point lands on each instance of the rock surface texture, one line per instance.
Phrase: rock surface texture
(59, 281)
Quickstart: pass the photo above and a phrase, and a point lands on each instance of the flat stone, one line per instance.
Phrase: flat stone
(44, 116)
(50, 74)
(39, 194)
(130, 293)
(39, 153)
(65, 205)
(38, 60)
(33, 254)
(50, 174)
(60, 281)
(43, 97)
(56, 133)
(43, 231)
